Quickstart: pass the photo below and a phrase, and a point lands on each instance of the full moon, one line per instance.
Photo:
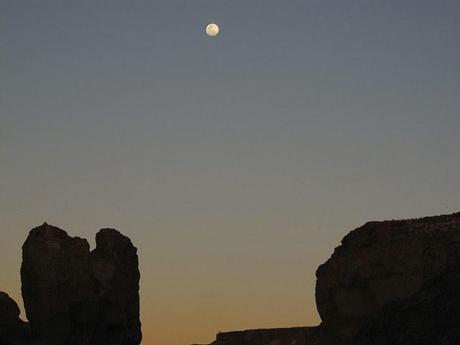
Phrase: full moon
(212, 30)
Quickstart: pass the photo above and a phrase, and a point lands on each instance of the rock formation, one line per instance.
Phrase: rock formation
(380, 263)
(12, 329)
(390, 282)
(76, 297)
(56, 286)
(275, 336)
(114, 270)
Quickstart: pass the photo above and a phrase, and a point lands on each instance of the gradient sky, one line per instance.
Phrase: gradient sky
(235, 164)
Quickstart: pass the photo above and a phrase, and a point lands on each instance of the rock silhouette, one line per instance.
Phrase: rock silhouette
(390, 282)
(12, 329)
(56, 286)
(76, 297)
(431, 316)
(291, 336)
(380, 263)
(114, 270)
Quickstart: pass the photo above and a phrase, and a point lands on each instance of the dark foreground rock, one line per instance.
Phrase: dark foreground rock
(56, 286)
(76, 297)
(275, 336)
(12, 329)
(431, 316)
(114, 270)
(391, 282)
(383, 263)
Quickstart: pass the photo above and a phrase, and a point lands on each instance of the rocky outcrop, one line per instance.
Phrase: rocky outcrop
(12, 329)
(56, 286)
(76, 297)
(382, 263)
(390, 282)
(275, 336)
(114, 270)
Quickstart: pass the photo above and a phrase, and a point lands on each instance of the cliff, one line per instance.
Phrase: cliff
(381, 263)
(389, 282)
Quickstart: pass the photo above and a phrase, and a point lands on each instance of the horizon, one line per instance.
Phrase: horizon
(235, 163)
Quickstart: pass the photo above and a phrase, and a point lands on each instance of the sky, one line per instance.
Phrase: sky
(235, 164)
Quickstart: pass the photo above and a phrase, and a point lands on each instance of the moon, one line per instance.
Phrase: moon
(212, 30)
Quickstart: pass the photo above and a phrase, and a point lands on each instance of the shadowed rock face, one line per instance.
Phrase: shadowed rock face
(383, 262)
(56, 285)
(431, 316)
(114, 270)
(74, 297)
(392, 282)
(12, 329)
